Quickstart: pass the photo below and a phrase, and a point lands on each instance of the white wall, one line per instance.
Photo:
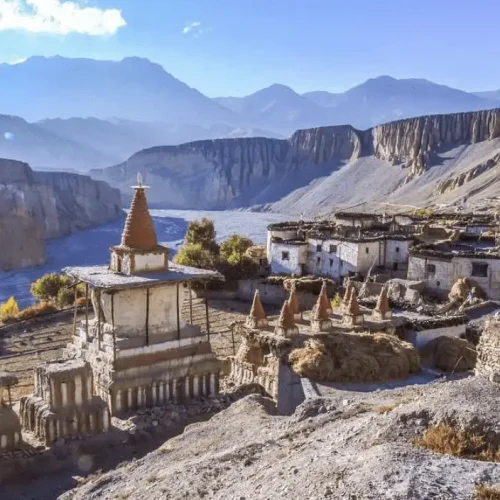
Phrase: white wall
(374, 257)
(392, 254)
(336, 264)
(449, 271)
(149, 262)
(296, 257)
(420, 338)
(130, 309)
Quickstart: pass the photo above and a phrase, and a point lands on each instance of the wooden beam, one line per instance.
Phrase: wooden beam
(74, 314)
(190, 303)
(178, 315)
(147, 316)
(99, 316)
(87, 309)
(10, 396)
(207, 316)
(113, 324)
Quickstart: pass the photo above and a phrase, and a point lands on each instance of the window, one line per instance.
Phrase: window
(285, 255)
(367, 250)
(333, 248)
(438, 283)
(318, 261)
(397, 249)
(394, 266)
(331, 262)
(318, 248)
(479, 270)
(431, 268)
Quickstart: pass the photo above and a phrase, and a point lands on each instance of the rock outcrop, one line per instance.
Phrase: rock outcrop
(230, 173)
(38, 205)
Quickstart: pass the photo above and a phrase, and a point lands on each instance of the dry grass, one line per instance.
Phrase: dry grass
(31, 312)
(484, 492)
(384, 408)
(449, 354)
(450, 440)
(355, 357)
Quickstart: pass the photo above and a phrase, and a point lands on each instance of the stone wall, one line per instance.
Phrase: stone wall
(488, 358)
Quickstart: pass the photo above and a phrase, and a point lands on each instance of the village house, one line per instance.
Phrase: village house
(331, 250)
(442, 265)
(136, 351)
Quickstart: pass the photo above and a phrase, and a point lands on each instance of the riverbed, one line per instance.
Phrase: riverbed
(91, 246)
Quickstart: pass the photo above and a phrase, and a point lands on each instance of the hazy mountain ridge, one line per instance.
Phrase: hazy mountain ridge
(152, 108)
(281, 174)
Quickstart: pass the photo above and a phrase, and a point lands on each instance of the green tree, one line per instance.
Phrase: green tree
(202, 233)
(195, 255)
(233, 249)
(47, 287)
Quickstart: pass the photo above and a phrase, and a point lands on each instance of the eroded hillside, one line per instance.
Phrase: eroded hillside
(318, 169)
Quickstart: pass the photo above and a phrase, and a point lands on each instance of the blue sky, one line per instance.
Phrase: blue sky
(235, 47)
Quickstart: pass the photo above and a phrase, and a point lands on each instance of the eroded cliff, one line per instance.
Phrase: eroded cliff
(229, 173)
(38, 205)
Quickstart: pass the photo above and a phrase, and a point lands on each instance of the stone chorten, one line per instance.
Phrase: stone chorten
(347, 295)
(382, 311)
(257, 317)
(324, 298)
(320, 321)
(286, 326)
(139, 251)
(294, 304)
(353, 315)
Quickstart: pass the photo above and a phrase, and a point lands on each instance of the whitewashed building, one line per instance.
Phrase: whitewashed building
(316, 249)
(440, 269)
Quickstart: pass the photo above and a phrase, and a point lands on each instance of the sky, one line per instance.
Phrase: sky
(236, 47)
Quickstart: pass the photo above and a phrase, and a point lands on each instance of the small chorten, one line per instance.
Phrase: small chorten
(294, 304)
(347, 295)
(320, 321)
(257, 317)
(382, 311)
(139, 251)
(286, 326)
(353, 315)
(324, 298)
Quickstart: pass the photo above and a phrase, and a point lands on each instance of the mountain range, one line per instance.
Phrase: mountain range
(79, 114)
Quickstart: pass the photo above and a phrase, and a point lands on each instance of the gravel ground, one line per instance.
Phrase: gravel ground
(330, 448)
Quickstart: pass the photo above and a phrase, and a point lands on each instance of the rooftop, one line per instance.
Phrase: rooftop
(103, 277)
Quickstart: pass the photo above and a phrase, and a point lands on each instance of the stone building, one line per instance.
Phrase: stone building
(137, 350)
(326, 249)
(441, 266)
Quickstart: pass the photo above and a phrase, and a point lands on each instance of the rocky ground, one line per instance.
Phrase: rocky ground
(357, 448)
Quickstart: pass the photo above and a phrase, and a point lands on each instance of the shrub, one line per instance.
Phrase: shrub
(9, 308)
(47, 287)
(195, 255)
(39, 309)
(336, 301)
(450, 440)
(238, 268)
(484, 492)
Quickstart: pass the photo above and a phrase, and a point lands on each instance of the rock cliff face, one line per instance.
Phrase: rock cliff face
(38, 205)
(229, 173)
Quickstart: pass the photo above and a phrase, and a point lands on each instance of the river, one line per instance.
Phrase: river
(91, 246)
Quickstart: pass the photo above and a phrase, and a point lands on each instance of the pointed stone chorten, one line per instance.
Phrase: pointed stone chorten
(347, 295)
(139, 251)
(353, 315)
(294, 304)
(382, 311)
(324, 298)
(286, 326)
(320, 320)
(257, 317)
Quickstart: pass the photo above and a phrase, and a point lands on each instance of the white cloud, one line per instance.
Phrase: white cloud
(58, 17)
(194, 27)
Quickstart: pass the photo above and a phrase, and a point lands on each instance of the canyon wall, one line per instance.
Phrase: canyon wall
(38, 205)
(231, 173)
